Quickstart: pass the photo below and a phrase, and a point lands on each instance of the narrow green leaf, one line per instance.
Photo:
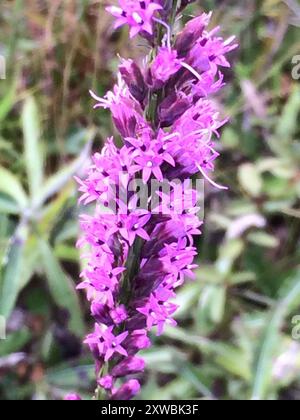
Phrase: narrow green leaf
(32, 147)
(7, 102)
(242, 277)
(66, 252)
(14, 342)
(56, 182)
(229, 357)
(233, 360)
(177, 390)
(250, 179)
(7, 205)
(61, 287)
(186, 299)
(70, 377)
(10, 185)
(9, 289)
(31, 261)
(211, 307)
(164, 359)
(190, 373)
(262, 378)
(263, 239)
(229, 252)
(288, 123)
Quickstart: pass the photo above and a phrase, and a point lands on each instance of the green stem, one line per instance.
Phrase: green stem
(173, 15)
(132, 266)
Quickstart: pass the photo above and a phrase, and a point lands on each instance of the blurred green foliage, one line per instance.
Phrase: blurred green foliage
(234, 339)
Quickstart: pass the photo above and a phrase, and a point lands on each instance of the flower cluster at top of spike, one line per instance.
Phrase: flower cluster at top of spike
(138, 257)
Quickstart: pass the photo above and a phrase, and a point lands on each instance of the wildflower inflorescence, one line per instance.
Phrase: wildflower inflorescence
(137, 257)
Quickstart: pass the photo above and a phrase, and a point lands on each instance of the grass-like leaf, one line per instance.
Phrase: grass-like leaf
(61, 287)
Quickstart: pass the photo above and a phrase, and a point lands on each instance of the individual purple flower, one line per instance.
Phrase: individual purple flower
(118, 314)
(101, 282)
(130, 226)
(150, 161)
(157, 312)
(163, 67)
(178, 261)
(108, 344)
(137, 14)
(106, 382)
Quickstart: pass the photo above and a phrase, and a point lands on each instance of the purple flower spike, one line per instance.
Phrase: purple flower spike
(139, 242)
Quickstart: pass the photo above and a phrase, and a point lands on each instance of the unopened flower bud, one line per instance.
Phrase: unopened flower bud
(134, 79)
(106, 382)
(190, 34)
(138, 340)
(127, 391)
(172, 108)
(128, 366)
(101, 313)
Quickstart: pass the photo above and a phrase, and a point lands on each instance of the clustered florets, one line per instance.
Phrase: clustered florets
(137, 14)
(138, 256)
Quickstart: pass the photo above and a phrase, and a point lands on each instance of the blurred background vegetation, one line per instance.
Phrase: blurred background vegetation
(234, 339)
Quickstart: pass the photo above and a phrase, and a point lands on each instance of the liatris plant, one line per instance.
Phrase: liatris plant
(141, 239)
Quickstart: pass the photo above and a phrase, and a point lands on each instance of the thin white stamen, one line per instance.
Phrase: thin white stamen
(229, 40)
(115, 9)
(94, 96)
(168, 31)
(111, 97)
(214, 31)
(211, 149)
(221, 187)
(170, 136)
(202, 132)
(137, 18)
(193, 71)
